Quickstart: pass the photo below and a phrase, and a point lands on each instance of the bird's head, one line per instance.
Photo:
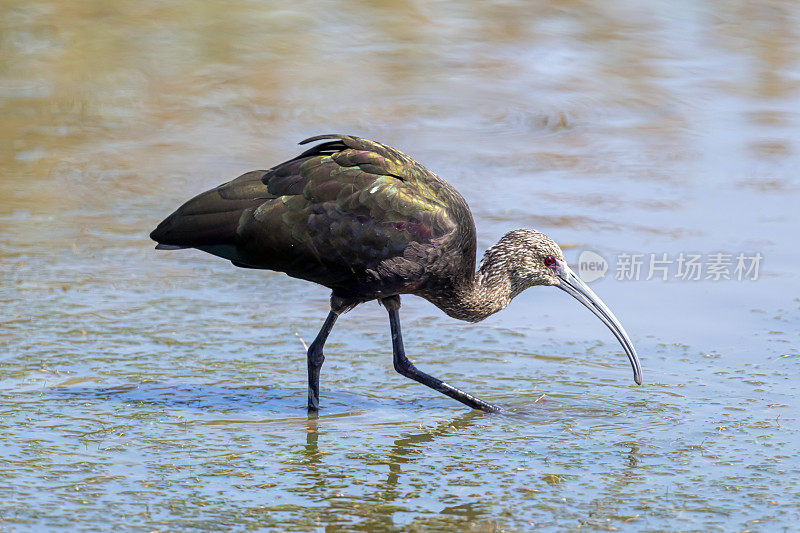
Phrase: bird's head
(531, 258)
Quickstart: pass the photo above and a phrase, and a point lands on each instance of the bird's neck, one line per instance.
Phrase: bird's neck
(481, 294)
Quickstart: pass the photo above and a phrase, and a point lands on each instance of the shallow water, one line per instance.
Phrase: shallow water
(165, 391)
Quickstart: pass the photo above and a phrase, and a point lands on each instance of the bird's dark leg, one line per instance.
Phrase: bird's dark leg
(407, 368)
(315, 360)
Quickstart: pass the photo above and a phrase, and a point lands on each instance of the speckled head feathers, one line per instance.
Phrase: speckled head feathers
(523, 254)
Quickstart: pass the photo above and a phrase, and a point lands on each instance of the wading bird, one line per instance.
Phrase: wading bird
(370, 223)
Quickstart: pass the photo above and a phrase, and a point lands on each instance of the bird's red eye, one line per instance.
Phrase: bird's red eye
(549, 260)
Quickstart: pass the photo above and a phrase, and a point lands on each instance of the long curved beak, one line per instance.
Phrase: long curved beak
(570, 283)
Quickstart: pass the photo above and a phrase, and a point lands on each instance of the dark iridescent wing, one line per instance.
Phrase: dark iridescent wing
(212, 218)
(349, 213)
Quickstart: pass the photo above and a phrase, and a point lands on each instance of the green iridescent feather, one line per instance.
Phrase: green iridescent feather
(354, 215)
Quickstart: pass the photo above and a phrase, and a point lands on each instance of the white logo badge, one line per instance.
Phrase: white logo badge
(591, 266)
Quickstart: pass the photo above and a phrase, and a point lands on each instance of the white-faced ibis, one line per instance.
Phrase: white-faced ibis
(370, 223)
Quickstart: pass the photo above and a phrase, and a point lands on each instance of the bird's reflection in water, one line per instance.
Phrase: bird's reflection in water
(403, 450)
(632, 457)
(311, 455)
(406, 449)
(324, 483)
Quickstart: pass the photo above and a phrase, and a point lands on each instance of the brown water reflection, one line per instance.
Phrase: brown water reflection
(165, 391)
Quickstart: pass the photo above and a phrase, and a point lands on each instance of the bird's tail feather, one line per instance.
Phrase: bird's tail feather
(208, 219)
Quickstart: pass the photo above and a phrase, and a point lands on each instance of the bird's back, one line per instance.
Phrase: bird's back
(354, 215)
